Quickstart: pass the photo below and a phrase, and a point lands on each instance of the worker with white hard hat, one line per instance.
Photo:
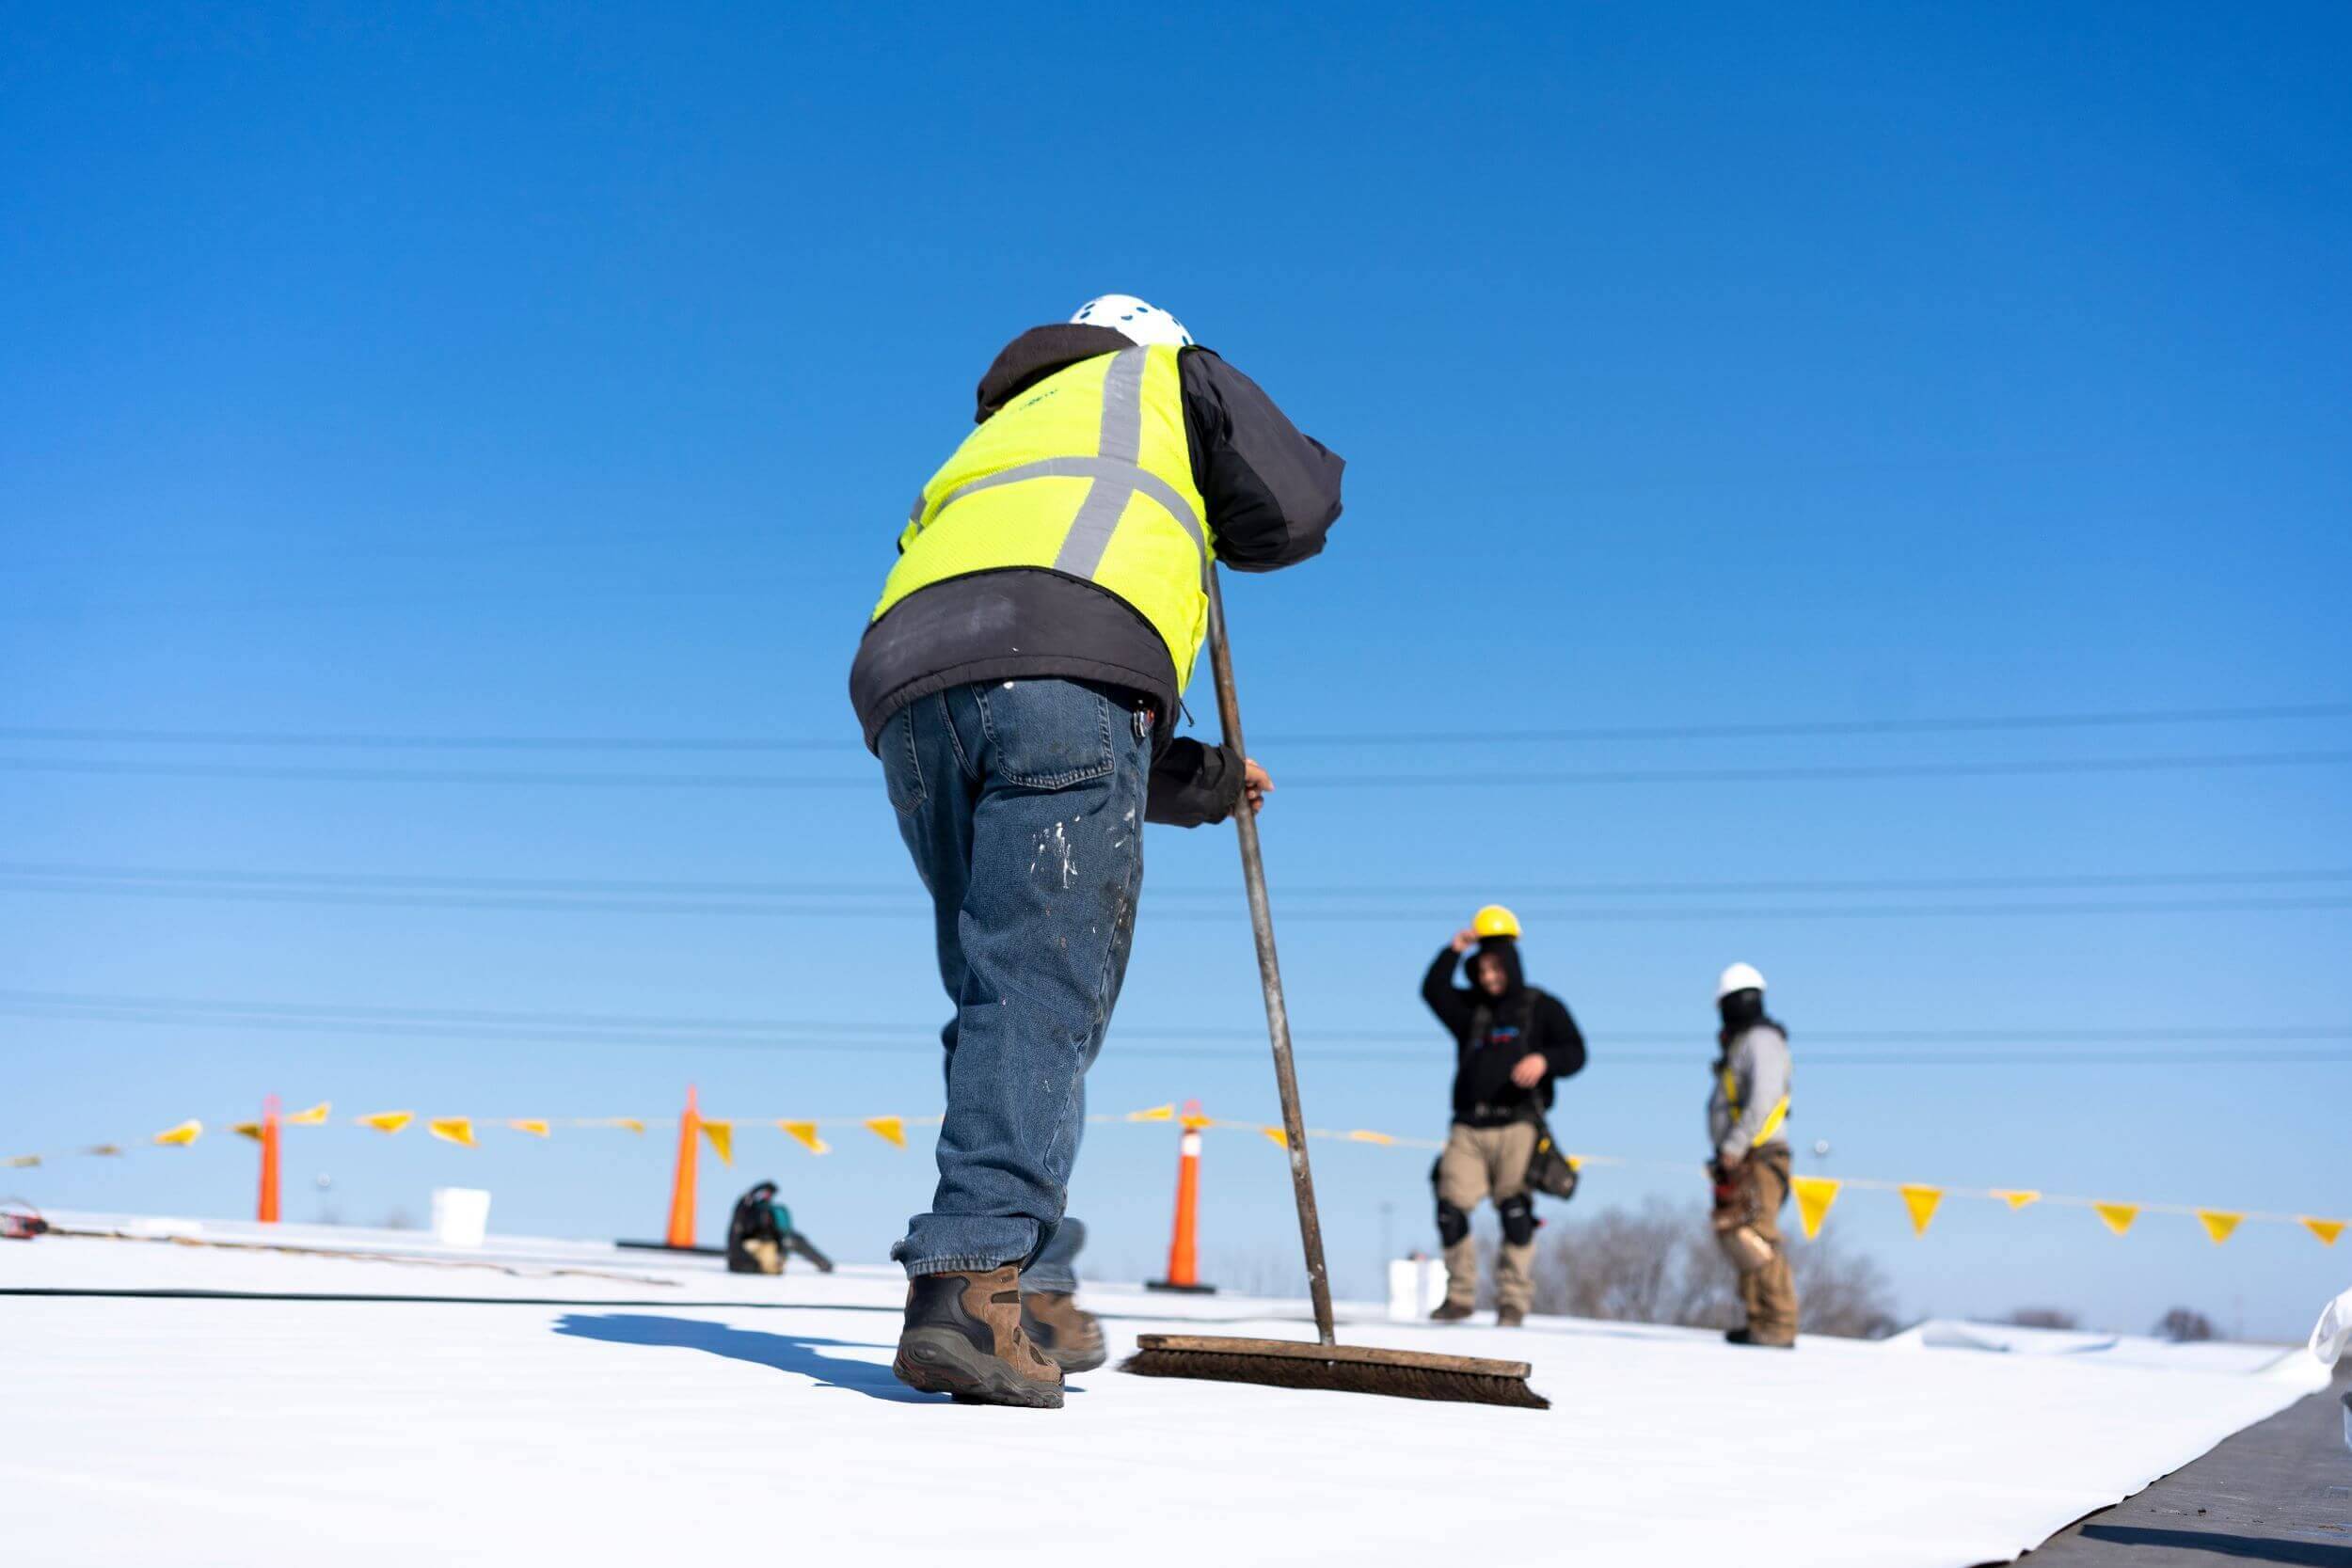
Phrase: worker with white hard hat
(1747, 1115)
(1020, 680)
(1511, 1042)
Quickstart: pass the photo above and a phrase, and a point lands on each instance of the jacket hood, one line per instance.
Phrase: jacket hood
(1507, 949)
(1037, 354)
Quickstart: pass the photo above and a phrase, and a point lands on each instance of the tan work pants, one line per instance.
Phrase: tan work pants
(1480, 1162)
(1768, 1294)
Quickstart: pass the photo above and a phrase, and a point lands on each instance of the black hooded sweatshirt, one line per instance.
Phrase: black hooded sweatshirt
(1492, 1033)
(1272, 492)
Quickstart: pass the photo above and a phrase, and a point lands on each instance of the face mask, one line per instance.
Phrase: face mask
(1741, 1008)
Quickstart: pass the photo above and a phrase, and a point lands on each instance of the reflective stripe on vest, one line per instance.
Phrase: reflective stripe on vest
(1087, 473)
(1771, 1123)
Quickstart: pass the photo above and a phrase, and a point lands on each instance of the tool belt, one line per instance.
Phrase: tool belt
(1550, 1171)
(1734, 1218)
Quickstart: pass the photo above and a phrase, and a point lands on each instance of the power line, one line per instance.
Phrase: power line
(370, 741)
(1433, 1058)
(1805, 773)
(833, 910)
(572, 1025)
(567, 886)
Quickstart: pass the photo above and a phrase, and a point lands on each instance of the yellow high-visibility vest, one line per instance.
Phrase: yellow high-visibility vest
(1771, 1123)
(1087, 473)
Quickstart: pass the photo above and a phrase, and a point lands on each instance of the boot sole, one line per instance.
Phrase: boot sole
(945, 1363)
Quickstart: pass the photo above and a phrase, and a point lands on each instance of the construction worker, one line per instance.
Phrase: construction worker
(761, 1235)
(1511, 1042)
(755, 1231)
(1747, 1115)
(1020, 681)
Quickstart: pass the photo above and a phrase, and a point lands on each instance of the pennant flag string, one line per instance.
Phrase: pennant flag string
(721, 1137)
(1815, 1195)
(1922, 1202)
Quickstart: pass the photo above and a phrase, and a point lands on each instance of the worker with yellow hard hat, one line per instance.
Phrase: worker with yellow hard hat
(1511, 1042)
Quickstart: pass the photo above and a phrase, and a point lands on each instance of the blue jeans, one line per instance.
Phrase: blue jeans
(1022, 802)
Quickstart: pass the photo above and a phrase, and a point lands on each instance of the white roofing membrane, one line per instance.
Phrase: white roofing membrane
(663, 1409)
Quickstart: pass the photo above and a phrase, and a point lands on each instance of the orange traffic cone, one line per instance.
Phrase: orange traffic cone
(1182, 1250)
(266, 1210)
(690, 1126)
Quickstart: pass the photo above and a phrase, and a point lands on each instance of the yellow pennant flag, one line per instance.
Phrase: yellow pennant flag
(805, 1133)
(21, 1162)
(2326, 1230)
(454, 1130)
(890, 1130)
(1281, 1139)
(246, 1130)
(103, 1149)
(2119, 1216)
(2219, 1225)
(1193, 1121)
(181, 1136)
(388, 1121)
(1815, 1193)
(633, 1124)
(2017, 1197)
(535, 1126)
(314, 1116)
(1157, 1113)
(1576, 1162)
(1363, 1137)
(722, 1136)
(1922, 1202)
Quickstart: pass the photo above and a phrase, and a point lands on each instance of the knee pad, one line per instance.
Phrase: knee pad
(1452, 1224)
(1519, 1219)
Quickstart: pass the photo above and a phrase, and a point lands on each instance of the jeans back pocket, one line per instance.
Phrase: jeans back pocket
(1047, 734)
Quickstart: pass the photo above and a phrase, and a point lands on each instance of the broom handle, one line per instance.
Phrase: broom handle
(1278, 1018)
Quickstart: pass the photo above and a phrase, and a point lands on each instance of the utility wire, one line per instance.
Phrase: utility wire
(1805, 773)
(671, 1029)
(1434, 1057)
(833, 910)
(567, 886)
(368, 740)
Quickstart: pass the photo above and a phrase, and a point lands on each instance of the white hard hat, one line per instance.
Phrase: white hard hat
(1738, 977)
(1141, 322)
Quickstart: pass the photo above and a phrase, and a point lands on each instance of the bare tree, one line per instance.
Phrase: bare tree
(2043, 1317)
(1659, 1264)
(1655, 1264)
(1842, 1293)
(2184, 1324)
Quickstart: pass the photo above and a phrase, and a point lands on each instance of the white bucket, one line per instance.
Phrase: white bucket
(1416, 1288)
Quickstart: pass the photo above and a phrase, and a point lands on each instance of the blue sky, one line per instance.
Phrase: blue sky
(526, 374)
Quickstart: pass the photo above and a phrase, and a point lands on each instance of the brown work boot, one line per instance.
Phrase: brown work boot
(1451, 1312)
(962, 1337)
(1746, 1336)
(1509, 1317)
(1070, 1336)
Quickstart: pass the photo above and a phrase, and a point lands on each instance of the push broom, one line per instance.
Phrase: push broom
(1291, 1363)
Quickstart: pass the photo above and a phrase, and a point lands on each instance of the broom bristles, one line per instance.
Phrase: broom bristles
(1353, 1376)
